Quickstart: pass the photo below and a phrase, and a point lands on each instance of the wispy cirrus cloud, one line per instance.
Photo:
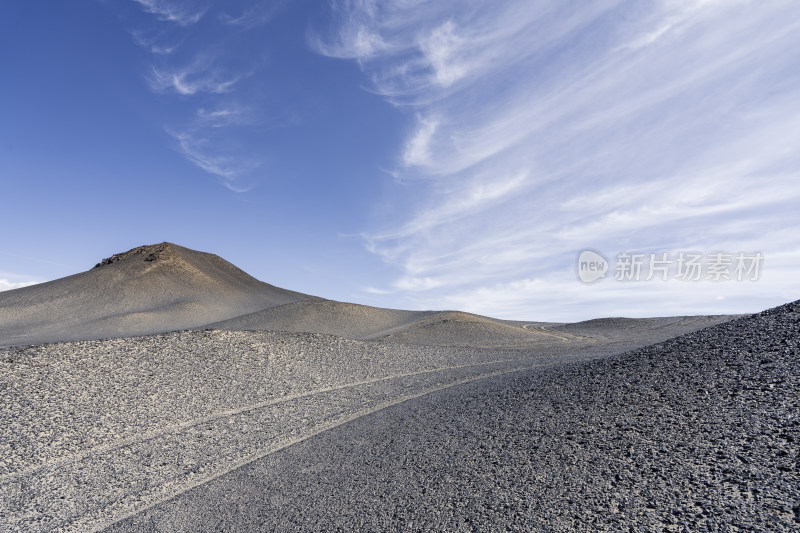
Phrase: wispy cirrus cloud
(198, 77)
(183, 13)
(255, 15)
(215, 156)
(156, 44)
(540, 128)
(223, 115)
(211, 78)
(417, 150)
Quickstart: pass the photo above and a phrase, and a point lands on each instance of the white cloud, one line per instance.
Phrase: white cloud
(416, 52)
(215, 159)
(373, 290)
(443, 50)
(230, 114)
(6, 285)
(211, 76)
(543, 128)
(411, 283)
(355, 36)
(198, 77)
(257, 15)
(466, 201)
(181, 13)
(153, 44)
(417, 151)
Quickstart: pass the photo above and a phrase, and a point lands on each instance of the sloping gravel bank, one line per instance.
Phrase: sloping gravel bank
(91, 431)
(699, 433)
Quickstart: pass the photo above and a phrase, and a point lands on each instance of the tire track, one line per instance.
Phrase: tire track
(103, 524)
(564, 337)
(83, 488)
(61, 461)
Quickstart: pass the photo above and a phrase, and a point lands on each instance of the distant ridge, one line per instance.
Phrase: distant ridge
(362, 322)
(352, 321)
(149, 289)
(165, 287)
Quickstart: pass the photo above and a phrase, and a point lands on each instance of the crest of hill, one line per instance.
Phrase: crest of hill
(456, 328)
(660, 328)
(149, 289)
(362, 322)
(351, 321)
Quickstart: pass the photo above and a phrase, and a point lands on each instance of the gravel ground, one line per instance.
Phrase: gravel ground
(699, 433)
(92, 432)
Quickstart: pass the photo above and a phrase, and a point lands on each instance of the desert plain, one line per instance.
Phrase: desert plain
(167, 390)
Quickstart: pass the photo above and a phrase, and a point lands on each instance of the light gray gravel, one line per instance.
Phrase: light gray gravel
(92, 430)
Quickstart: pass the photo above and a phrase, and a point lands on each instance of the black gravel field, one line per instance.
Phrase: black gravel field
(698, 433)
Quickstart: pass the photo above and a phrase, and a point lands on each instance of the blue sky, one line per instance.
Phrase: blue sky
(410, 154)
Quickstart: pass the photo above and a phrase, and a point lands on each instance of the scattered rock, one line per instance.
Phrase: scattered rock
(150, 252)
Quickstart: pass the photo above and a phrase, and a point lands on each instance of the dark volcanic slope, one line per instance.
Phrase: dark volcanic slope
(699, 433)
(146, 290)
